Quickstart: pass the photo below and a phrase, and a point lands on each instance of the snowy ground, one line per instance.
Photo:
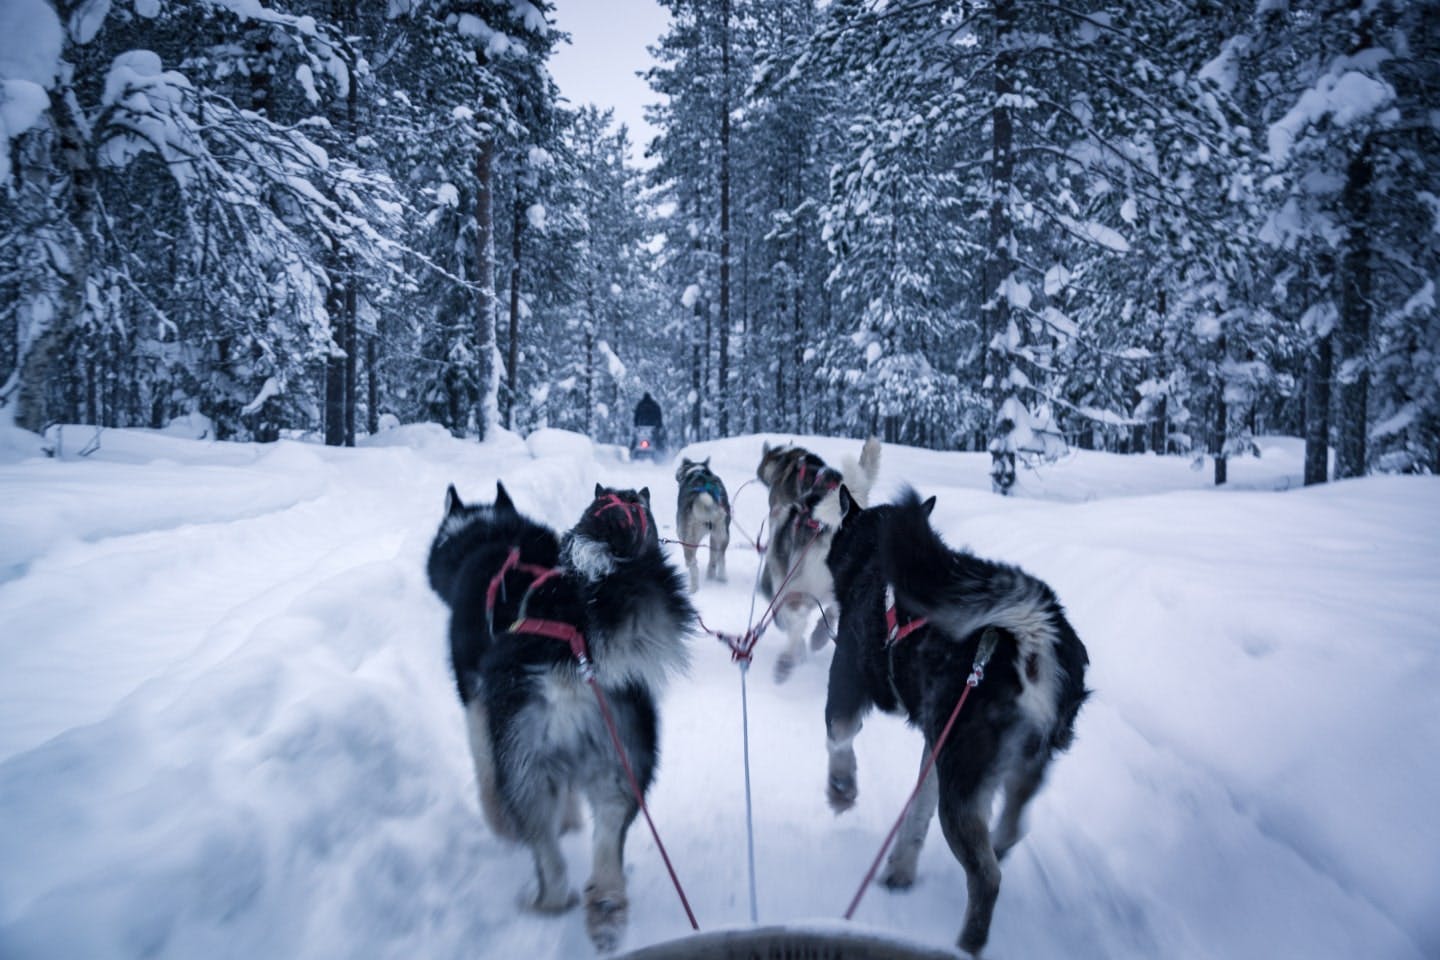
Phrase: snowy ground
(227, 726)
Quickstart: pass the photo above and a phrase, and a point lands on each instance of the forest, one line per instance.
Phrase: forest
(1005, 225)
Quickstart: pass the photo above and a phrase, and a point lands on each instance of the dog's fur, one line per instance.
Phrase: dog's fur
(804, 509)
(537, 733)
(702, 510)
(1015, 720)
(794, 474)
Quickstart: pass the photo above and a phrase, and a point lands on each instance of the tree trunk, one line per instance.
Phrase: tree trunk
(995, 311)
(723, 372)
(1354, 331)
(695, 373)
(372, 399)
(1222, 414)
(487, 376)
(512, 346)
(352, 277)
(335, 365)
(1317, 413)
(352, 346)
(592, 325)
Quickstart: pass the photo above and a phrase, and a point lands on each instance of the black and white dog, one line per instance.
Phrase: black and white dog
(914, 615)
(702, 510)
(804, 510)
(604, 593)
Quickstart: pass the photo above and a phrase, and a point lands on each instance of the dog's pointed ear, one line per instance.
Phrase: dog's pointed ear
(764, 447)
(645, 495)
(599, 491)
(705, 463)
(502, 498)
(452, 500)
(847, 503)
(686, 463)
(928, 506)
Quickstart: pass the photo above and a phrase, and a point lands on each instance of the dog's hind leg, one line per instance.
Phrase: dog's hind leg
(845, 704)
(687, 546)
(482, 753)
(1021, 785)
(790, 615)
(537, 805)
(900, 867)
(824, 627)
(606, 906)
(963, 818)
(719, 543)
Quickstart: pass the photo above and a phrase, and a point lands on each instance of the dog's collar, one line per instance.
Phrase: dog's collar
(895, 631)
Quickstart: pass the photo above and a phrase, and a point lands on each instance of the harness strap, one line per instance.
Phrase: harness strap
(497, 582)
(613, 500)
(555, 630)
(895, 631)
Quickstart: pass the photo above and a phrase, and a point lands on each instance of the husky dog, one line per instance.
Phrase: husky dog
(472, 568)
(794, 474)
(605, 594)
(912, 655)
(804, 509)
(703, 510)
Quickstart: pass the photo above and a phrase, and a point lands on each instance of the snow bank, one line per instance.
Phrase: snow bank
(227, 724)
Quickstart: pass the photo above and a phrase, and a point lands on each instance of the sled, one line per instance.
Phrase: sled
(788, 943)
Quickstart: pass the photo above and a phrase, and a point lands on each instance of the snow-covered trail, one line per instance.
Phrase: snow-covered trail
(227, 724)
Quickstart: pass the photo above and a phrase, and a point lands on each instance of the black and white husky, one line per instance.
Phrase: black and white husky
(702, 510)
(604, 592)
(804, 510)
(913, 615)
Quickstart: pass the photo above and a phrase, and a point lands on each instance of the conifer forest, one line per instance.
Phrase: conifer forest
(1165, 226)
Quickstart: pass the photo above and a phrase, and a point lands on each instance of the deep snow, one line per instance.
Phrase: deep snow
(227, 726)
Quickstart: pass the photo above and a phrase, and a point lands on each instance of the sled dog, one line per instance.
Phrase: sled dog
(913, 614)
(702, 510)
(803, 513)
(604, 591)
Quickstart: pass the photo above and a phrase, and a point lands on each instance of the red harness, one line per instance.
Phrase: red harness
(612, 501)
(553, 629)
(895, 631)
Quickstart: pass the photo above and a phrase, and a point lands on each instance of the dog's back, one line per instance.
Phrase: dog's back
(962, 594)
(470, 550)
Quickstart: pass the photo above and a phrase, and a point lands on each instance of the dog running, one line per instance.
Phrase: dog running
(526, 606)
(804, 511)
(702, 510)
(915, 616)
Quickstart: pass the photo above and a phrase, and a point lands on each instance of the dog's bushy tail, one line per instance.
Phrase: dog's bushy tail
(959, 592)
(860, 476)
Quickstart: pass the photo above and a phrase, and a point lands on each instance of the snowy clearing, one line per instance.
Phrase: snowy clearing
(227, 725)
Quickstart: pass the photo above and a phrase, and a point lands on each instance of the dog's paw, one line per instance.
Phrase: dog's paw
(605, 917)
(841, 791)
(784, 665)
(553, 901)
(898, 877)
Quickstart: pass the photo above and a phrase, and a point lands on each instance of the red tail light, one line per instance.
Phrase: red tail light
(644, 444)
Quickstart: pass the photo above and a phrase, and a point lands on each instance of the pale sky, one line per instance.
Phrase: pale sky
(608, 40)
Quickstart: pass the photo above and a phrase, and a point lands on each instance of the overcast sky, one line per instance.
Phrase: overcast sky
(608, 40)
